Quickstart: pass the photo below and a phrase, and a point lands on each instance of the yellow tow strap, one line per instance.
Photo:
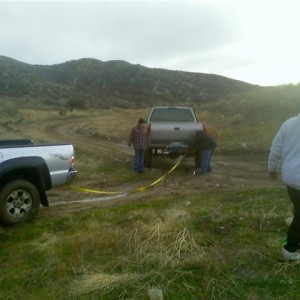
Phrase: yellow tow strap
(143, 188)
(86, 190)
(140, 189)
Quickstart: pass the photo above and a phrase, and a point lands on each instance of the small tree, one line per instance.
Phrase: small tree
(76, 103)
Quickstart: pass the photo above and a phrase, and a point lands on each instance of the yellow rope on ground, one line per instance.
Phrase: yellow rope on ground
(87, 190)
(140, 189)
(143, 188)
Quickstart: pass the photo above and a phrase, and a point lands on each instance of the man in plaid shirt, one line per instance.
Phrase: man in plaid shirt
(140, 139)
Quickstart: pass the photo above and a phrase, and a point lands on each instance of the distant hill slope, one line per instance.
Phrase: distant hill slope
(93, 83)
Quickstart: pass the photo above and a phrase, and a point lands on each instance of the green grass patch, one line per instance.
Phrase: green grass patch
(215, 245)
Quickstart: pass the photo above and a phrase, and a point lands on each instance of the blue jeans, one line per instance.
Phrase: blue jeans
(139, 160)
(205, 161)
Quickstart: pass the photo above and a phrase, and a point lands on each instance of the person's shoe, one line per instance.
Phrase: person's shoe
(196, 172)
(289, 256)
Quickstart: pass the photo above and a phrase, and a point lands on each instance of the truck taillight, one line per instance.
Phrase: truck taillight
(73, 160)
(204, 127)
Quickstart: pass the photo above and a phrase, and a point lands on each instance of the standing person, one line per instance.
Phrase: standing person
(205, 145)
(285, 153)
(139, 138)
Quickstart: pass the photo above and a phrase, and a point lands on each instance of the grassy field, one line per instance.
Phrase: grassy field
(209, 243)
(213, 245)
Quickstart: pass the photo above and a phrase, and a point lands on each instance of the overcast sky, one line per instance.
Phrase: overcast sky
(257, 41)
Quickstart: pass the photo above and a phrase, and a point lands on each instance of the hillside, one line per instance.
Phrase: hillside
(93, 83)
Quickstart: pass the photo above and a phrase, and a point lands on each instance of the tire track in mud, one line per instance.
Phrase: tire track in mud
(67, 131)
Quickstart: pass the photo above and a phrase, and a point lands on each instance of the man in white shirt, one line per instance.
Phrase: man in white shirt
(285, 154)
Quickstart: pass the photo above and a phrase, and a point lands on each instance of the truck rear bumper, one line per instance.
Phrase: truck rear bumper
(71, 175)
(172, 150)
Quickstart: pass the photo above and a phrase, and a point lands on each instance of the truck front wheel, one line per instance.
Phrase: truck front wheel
(19, 202)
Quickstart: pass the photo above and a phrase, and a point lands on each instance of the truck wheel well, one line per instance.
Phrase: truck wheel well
(29, 174)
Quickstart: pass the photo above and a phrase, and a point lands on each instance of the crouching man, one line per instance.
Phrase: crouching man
(205, 145)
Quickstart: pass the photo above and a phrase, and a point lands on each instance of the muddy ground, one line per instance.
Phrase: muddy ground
(229, 172)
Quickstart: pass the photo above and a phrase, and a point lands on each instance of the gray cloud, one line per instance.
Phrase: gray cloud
(230, 38)
(145, 31)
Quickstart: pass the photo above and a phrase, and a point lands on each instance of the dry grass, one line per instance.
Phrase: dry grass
(46, 243)
(165, 243)
(101, 282)
(164, 250)
(151, 249)
(38, 125)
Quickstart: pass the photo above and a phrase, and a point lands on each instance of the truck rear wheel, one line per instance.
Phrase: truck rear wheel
(19, 202)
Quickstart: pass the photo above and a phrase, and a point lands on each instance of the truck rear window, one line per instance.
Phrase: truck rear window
(172, 115)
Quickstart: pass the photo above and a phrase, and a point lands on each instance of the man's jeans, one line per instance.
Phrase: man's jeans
(139, 160)
(205, 161)
(293, 234)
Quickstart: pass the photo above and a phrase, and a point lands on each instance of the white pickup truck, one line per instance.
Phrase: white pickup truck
(172, 131)
(27, 171)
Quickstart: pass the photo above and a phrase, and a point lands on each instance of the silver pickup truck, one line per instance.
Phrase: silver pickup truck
(172, 131)
(27, 171)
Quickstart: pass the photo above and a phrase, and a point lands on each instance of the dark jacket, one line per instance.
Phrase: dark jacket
(204, 141)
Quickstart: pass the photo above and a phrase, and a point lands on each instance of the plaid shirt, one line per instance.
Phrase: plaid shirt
(139, 138)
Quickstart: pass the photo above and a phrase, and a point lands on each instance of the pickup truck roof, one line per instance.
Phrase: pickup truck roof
(172, 114)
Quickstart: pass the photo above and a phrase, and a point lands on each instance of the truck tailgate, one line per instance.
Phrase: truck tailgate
(166, 133)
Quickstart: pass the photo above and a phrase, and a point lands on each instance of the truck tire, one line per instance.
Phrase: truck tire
(148, 158)
(19, 202)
